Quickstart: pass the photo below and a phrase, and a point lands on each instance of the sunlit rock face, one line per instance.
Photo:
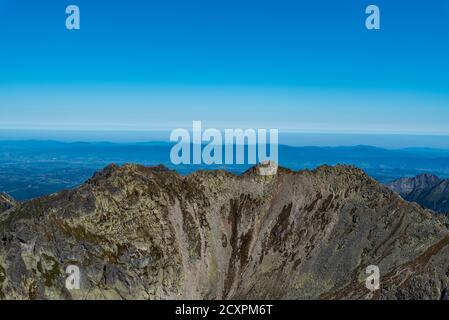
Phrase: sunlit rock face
(137, 232)
(6, 202)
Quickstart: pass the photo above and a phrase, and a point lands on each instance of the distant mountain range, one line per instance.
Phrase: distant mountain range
(30, 169)
(426, 189)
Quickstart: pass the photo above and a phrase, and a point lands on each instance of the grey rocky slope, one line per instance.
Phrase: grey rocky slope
(148, 233)
(427, 190)
(6, 202)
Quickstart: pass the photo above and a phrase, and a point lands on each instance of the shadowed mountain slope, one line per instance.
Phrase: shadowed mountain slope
(427, 190)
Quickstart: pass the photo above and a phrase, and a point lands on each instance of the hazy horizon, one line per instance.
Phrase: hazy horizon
(389, 141)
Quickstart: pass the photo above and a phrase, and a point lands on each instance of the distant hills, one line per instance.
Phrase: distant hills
(30, 169)
(427, 190)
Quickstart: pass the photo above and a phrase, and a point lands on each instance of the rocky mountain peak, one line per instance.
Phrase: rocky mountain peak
(150, 233)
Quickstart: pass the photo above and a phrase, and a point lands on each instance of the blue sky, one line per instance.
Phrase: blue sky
(307, 66)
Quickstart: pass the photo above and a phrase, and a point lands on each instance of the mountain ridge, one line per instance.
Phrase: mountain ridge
(141, 232)
(31, 169)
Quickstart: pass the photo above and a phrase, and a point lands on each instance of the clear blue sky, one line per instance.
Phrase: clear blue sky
(294, 65)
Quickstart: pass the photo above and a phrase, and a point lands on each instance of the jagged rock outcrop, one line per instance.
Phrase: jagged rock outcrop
(427, 190)
(6, 202)
(150, 233)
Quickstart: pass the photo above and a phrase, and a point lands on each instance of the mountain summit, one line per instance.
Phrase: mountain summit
(150, 233)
